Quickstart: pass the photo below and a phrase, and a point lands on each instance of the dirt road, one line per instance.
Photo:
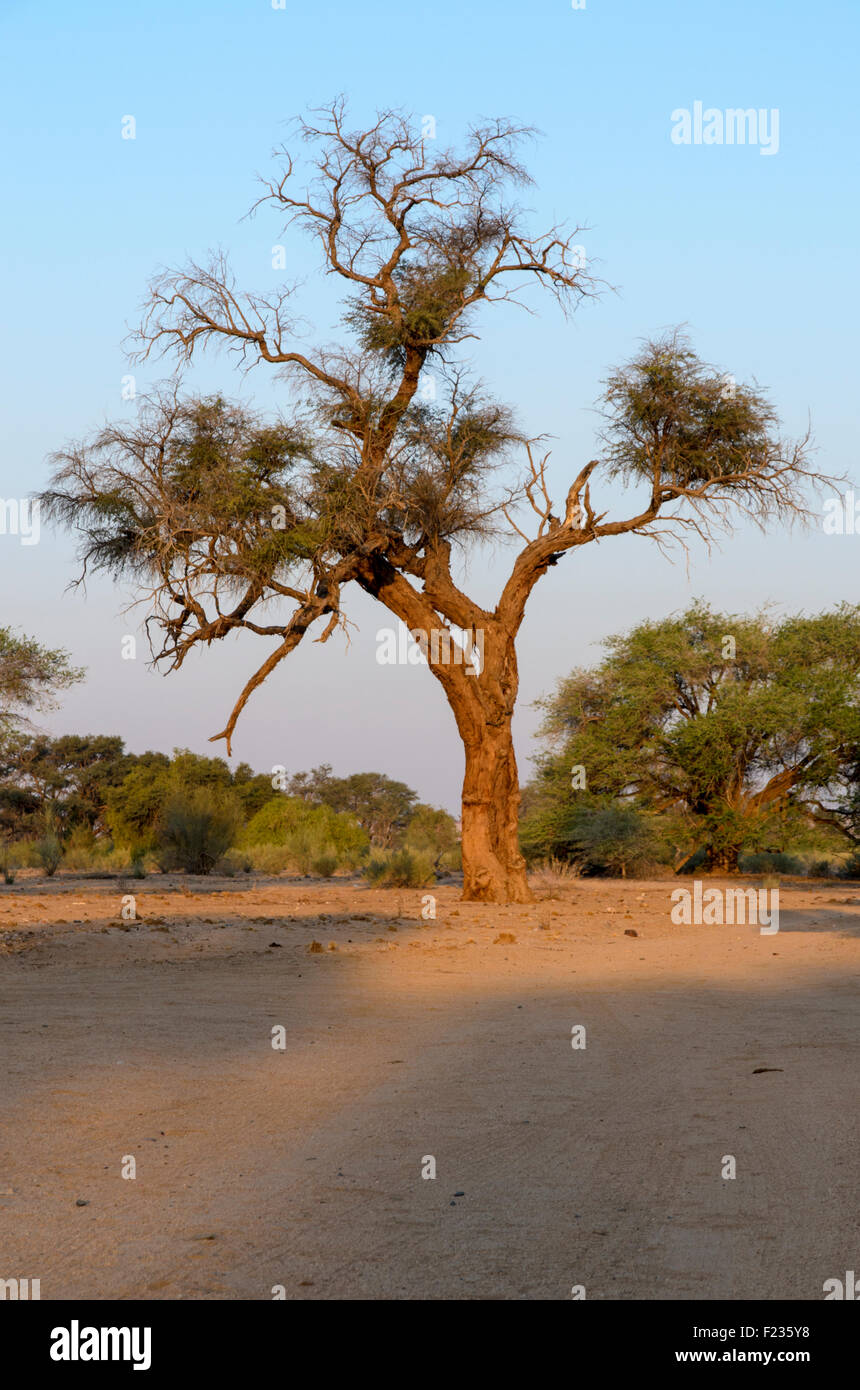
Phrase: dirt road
(260, 1167)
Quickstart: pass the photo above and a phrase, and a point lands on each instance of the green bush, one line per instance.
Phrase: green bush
(83, 851)
(49, 854)
(433, 833)
(822, 868)
(10, 861)
(23, 854)
(269, 859)
(402, 869)
(850, 868)
(297, 857)
(198, 825)
(599, 835)
(233, 863)
(307, 831)
(769, 863)
(301, 837)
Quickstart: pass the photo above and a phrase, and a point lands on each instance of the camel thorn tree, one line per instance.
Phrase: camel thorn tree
(229, 522)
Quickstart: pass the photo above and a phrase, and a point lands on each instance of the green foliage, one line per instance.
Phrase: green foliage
(269, 859)
(765, 863)
(381, 805)
(197, 826)
(221, 473)
(135, 809)
(79, 848)
(253, 789)
(742, 732)
(306, 834)
(596, 834)
(325, 865)
(234, 862)
(30, 678)
(851, 867)
(402, 869)
(66, 778)
(431, 295)
(432, 833)
(49, 854)
(677, 423)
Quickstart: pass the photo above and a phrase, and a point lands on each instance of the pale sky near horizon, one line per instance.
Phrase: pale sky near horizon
(755, 252)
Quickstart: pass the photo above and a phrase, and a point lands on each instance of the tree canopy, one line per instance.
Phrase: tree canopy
(31, 677)
(230, 522)
(735, 723)
(382, 805)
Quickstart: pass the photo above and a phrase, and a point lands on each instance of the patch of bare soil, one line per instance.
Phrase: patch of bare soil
(411, 1045)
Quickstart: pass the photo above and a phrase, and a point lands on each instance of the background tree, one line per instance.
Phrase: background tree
(742, 725)
(254, 789)
(69, 778)
(381, 805)
(433, 832)
(136, 808)
(232, 523)
(197, 825)
(31, 677)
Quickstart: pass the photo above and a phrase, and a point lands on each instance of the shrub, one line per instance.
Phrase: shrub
(555, 872)
(307, 832)
(821, 868)
(9, 862)
(82, 851)
(269, 859)
(600, 836)
(233, 863)
(433, 833)
(325, 865)
(49, 854)
(302, 848)
(198, 825)
(850, 868)
(403, 869)
(22, 855)
(769, 863)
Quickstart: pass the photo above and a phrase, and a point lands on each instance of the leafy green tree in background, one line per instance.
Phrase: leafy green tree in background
(135, 808)
(67, 779)
(252, 788)
(381, 805)
(31, 677)
(311, 831)
(197, 825)
(741, 728)
(433, 832)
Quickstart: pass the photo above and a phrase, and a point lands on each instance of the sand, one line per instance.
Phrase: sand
(299, 1169)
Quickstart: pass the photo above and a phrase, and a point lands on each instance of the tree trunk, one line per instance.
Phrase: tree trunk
(494, 871)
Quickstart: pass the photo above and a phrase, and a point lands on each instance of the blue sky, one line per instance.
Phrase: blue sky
(754, 253)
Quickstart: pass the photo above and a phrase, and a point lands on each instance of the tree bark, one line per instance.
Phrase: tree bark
(482, 696)
(494, 870)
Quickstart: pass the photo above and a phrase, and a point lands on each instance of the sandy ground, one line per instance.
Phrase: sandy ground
(258, 1167)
